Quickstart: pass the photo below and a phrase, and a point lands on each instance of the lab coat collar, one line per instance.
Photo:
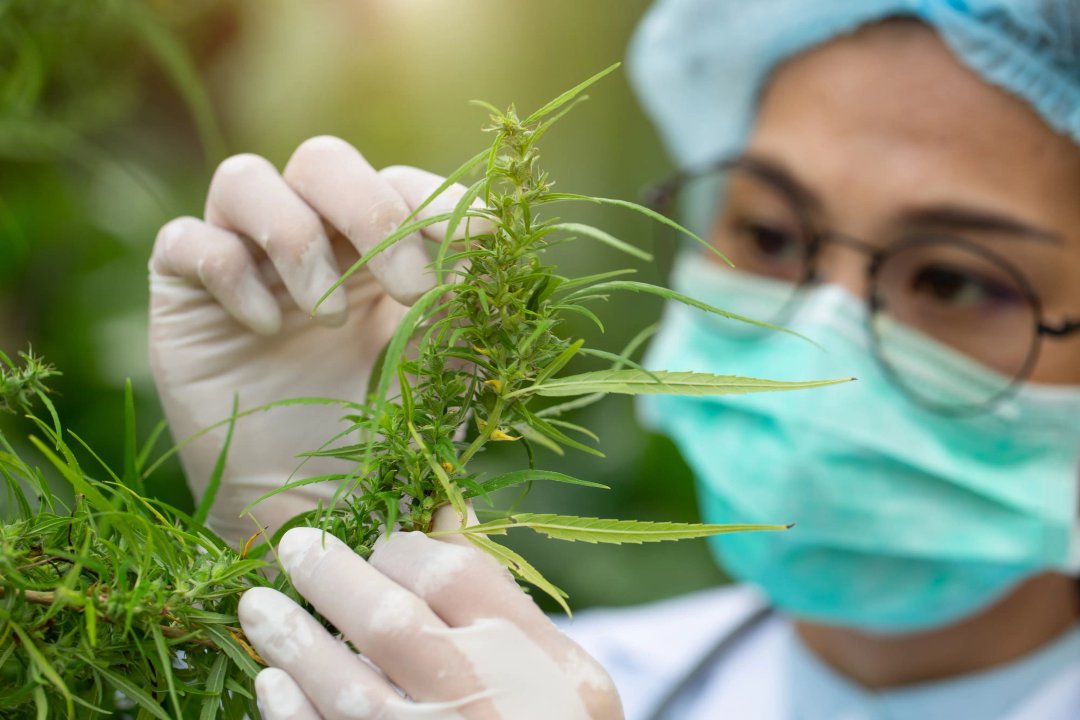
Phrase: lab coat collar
(816, 692)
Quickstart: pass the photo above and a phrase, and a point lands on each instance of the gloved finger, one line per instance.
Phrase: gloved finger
(391, 626)
(248, 196)
(337, 682)
(471, 584)
(335, 179)
(446, 518)
(479, 589)
(280, 698)
(485, 608)
(416, 185)
(216, 259)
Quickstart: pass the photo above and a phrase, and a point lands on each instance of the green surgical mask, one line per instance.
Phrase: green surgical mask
(905, 519)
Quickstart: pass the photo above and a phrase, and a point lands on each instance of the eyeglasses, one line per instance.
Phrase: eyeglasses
(966, 299)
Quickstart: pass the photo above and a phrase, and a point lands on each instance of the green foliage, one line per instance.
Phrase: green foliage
(121, 593)
(20, 384)
(100, 596)
(68, 73)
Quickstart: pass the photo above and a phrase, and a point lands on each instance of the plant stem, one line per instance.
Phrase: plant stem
(39, 597)
(490, 425)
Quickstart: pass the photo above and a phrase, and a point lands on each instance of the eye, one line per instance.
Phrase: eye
(962, 288)
(770, 242)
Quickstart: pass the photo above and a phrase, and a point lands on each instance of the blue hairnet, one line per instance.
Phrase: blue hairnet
(698, 65)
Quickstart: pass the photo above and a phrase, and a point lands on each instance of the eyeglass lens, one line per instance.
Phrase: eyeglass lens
(927, 291)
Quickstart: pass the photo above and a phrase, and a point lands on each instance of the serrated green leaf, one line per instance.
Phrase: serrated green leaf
(166, 667)
(215, 683)
(520, 567)
(130, 690)
(637, 382)
(617, 532)
(518, 477)
(235, 687)
(618, 360)
(40, 662)
(228, 645)
(586, 400)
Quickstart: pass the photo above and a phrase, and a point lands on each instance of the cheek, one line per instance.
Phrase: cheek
(1059, 357)
(1058, 362)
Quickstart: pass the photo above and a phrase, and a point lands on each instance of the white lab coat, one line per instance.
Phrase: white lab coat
(765, 676)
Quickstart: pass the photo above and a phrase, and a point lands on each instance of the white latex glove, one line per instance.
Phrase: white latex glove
(437, 618)
(231, 301)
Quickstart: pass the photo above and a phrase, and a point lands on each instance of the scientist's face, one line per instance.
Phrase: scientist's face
(888, 136)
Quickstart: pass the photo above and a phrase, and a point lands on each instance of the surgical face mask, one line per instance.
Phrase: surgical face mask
(906, 520)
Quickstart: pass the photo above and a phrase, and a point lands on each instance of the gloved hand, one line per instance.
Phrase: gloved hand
(231, 300)
(437, 618)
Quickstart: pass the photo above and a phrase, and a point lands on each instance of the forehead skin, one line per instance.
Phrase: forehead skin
(887, 120)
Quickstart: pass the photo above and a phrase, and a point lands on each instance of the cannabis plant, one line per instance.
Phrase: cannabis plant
(120, 601)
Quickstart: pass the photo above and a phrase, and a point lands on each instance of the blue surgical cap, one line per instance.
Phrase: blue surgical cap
(699, 65)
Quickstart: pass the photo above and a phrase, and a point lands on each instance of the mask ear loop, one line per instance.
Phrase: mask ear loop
(1072, 562)
(1071, 566)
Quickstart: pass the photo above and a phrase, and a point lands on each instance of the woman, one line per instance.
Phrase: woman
(906, 192)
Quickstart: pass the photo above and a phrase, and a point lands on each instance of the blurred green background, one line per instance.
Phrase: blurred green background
(114, 113)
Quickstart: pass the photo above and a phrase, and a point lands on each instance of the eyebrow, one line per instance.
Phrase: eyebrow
(946, 216)
(960, 218)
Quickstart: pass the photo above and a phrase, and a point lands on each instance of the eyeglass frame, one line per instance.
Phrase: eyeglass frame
(660, 196)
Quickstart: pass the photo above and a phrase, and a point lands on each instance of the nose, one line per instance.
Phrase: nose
(844, 261)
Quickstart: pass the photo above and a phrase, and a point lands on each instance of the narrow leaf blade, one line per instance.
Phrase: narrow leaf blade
(662, 382)
(669, 294)
(647, 212)
(605, 238)
(520, 567)
(569, 95)
(207, 501)
(518, 477)
(616, 532)
(402, 232)
(131, 691)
